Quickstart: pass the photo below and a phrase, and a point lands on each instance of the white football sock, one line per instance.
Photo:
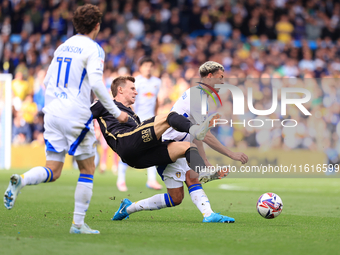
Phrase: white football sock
(82, 197)
(200, 199)
(152, 173)
(122, 167)
(155, 202)
(36, 175)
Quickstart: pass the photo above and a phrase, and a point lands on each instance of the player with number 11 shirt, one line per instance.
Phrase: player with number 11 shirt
(76, 69)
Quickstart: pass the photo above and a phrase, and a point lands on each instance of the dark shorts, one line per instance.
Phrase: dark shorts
(140, 147)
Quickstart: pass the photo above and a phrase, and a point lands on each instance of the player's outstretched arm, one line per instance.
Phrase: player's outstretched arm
(215, 144)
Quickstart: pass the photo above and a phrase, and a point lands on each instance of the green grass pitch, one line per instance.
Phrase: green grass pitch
(40, 221)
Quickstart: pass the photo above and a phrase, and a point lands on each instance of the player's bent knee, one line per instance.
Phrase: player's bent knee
(55, 175)
(55, 178)
(177, 150)
(161, 120)
(191, 178)
(186, 146)
(173, 200)
(161, 117)
(86, 163)
(54, 169)
(178, 200)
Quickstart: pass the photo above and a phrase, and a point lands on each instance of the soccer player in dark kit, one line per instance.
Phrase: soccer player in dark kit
(139, 144)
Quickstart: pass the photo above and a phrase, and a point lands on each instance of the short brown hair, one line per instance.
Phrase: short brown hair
(120, 81)
(86, 17)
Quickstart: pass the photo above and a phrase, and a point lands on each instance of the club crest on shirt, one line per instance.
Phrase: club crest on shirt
(178, 174)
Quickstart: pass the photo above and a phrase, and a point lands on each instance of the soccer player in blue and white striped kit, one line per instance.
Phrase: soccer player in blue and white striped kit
(76, 69)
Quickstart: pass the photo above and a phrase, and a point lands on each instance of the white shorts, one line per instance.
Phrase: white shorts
(67, 136)
(174, 174)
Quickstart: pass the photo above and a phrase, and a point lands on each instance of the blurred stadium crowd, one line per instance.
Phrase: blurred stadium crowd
(272, 39)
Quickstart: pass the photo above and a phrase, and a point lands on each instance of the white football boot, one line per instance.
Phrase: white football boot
(83, 229)
(199, 131)
(208, 176)
(12, 191)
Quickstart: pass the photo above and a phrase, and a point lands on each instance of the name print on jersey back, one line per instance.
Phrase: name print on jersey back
(69, 48)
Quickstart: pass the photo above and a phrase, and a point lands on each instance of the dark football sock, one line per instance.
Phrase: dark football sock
(194, 160)
(179, 122)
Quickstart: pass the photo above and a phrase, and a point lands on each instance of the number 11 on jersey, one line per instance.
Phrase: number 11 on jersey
(67, 73)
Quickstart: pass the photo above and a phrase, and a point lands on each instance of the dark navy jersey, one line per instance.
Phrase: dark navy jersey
(109, 125)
